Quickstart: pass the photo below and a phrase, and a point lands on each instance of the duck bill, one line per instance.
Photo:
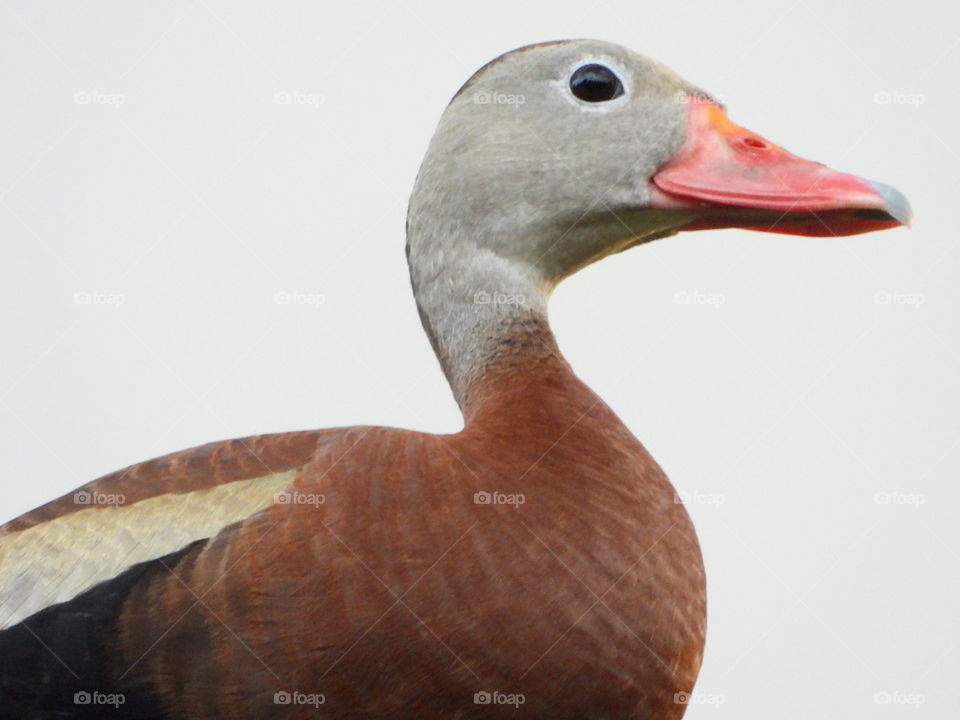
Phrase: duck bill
(726, 176)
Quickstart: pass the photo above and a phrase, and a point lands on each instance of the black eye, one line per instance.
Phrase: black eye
(595, 83)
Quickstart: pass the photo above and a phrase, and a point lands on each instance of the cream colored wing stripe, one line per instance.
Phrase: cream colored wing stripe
(57, 560)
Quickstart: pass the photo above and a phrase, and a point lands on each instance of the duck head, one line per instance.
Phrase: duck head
(555, 155)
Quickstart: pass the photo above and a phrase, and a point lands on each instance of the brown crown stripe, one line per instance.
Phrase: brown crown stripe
(501, 58)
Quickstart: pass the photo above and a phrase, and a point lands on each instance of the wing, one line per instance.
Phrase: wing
(66, 567)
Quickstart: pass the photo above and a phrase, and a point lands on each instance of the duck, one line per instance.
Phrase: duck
(536, 564)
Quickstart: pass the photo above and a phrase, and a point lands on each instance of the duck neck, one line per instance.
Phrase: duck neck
(486, 318)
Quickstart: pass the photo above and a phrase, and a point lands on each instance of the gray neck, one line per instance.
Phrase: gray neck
(473, 305)
(495, 221)
(510, 200)
(479, 299)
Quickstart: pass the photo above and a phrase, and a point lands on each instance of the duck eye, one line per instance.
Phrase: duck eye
(595, 83)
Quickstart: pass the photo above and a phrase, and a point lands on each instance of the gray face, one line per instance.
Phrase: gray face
(524, 168)
(528, 180)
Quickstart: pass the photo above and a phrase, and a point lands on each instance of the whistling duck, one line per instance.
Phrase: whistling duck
(536, 564)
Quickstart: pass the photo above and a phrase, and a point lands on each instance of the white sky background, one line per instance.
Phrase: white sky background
(144, 156)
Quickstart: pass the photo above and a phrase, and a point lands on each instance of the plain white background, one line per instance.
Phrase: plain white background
(169, 168)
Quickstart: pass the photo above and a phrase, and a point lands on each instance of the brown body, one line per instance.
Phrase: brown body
(400, 596)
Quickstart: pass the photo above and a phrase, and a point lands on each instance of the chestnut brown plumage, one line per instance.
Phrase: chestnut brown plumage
(536, 564)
